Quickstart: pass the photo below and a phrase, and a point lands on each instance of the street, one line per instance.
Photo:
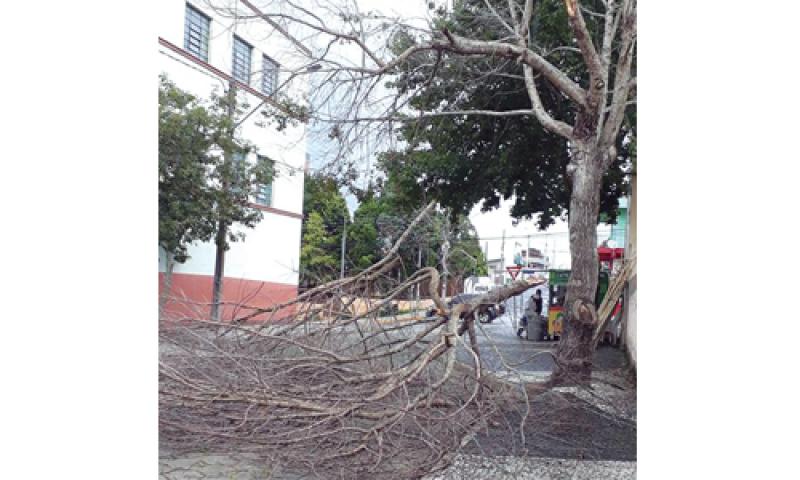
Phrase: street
(500, 348)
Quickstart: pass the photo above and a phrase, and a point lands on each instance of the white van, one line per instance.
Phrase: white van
(478, 285)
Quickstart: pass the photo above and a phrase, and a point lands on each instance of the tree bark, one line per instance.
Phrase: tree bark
(222, 230)
(574, 352)
(219, 272)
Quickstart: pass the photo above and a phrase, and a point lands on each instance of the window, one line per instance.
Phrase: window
(269, 79)
(238, 158)
(264, 192)
(264, 195)
(195, 32)
(241, 60)
(239, 166)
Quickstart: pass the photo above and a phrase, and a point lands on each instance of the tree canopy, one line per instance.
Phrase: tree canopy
(197, 188)
(185, 198)
(324, 215)
(462, 160)
(382, 215)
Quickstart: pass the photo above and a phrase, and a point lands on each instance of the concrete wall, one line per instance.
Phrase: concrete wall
(265, 265)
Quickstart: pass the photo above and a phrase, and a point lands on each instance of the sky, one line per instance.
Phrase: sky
(553, 242)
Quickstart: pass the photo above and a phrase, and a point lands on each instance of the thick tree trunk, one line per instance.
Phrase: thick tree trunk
(574, 352)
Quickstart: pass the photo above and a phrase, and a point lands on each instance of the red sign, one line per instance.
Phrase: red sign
(513, 271)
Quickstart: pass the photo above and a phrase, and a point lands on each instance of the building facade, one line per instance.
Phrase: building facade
(203, 50)
(531, 258)
(630, 293)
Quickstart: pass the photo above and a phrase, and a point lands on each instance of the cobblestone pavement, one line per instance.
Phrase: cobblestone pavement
(212, 467)
(527, 468)
(244, 467)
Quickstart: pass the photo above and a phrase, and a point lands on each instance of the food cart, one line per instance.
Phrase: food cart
(557, 280)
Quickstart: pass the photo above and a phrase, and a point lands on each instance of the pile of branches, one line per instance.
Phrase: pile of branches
(331, 393)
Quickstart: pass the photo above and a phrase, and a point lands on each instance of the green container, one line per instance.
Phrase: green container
(559, 277)
(602, 288)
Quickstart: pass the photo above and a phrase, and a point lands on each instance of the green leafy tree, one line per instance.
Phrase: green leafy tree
(185, 198)
(465, 160)
(237, 180)
(365, 242)
(318, 260)
(206, 185)
(382, 215)
(324, 203)
(466, 257)
(322, 195)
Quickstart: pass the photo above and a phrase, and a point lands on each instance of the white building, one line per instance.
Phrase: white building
(201, 50)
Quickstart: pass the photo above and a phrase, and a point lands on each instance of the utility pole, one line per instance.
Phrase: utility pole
(486, 257)
(445, 252)
(416, 288)
(528, 253)
(503, 253)
(503, 266)
(548, 258)
(344, 246)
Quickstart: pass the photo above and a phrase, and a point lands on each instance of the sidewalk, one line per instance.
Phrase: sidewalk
(528, 468)
(244, 467)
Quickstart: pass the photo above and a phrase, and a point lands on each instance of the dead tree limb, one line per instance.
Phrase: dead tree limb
(612, 296)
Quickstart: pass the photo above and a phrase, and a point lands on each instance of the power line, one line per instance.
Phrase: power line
(543, 234)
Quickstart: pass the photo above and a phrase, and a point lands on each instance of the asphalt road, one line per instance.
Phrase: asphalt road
(500, 346)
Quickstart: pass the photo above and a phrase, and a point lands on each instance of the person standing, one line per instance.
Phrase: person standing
(533, 312)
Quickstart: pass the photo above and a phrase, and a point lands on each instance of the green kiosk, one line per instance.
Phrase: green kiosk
(557, 279)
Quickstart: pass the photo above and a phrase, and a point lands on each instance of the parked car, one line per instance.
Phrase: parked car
(487, 312)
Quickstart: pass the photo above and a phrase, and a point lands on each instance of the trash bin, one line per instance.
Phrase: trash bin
(535, 330)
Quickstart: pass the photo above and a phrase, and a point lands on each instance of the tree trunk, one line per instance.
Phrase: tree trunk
(574, 352)
(219, 272)
(165, 292)
(222, 230)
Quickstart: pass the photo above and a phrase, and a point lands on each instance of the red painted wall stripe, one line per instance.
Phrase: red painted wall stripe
(277, 211)
(190, 297)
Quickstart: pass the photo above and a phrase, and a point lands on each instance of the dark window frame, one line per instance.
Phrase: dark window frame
(242, 76)
(269, 76)
(262, 198)
(196, 32)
